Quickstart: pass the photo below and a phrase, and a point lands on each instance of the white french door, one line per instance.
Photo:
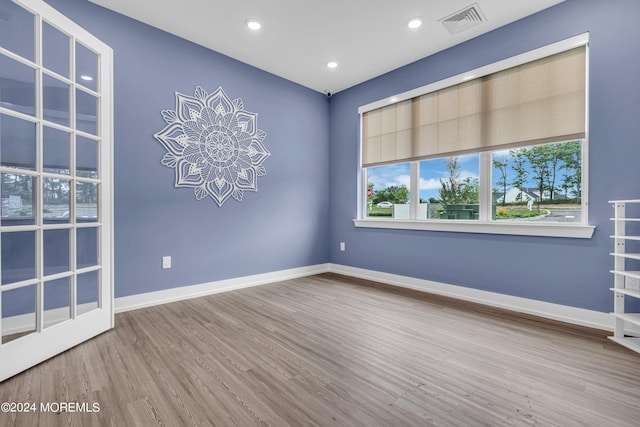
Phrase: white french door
(56, 286)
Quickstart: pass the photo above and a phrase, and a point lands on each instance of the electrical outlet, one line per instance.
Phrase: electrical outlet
(166, 262)
(343, 247)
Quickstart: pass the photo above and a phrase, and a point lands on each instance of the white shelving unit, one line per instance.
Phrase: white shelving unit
(626, 283)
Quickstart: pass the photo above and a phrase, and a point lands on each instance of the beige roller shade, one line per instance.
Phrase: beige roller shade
(540, 101)
(387, 133)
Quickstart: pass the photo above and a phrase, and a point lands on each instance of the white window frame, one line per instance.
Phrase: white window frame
(484, 224)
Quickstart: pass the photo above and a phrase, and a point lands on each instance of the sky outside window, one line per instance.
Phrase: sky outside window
(435, 170)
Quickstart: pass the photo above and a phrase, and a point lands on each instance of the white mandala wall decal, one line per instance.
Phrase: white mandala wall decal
(214, 145)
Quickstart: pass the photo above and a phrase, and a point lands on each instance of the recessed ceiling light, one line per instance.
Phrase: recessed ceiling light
(86, 78)
(414, 22)
(253, 24)
(332, 64)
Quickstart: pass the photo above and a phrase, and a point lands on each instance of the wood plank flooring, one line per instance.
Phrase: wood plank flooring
(335, 351)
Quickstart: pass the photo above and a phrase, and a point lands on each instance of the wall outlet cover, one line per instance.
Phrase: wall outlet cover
(166, 262)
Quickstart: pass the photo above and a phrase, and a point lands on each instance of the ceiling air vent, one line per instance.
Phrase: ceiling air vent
(464, 19)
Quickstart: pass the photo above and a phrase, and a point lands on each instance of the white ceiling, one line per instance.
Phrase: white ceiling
(366, 37)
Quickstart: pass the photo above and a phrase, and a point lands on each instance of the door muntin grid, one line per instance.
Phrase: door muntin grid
(50, 228)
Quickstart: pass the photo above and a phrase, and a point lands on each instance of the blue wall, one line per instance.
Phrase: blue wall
(572, 272)
(284, 225)
(307, 201)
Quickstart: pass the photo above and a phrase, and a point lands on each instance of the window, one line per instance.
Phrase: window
(500, 149)
(388, 191)
(538, 183)
(449, 188)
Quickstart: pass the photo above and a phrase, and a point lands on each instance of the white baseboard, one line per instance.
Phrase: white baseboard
(149, 299)
(563, 313)
(26, 322)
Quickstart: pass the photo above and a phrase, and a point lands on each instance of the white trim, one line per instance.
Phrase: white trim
(584, 179)
(523, 228)
(361, 177)
(624, 201)
(106, 176)
(486, 171)
(562, 313)
(414, 196)
(514, 61)
(134, 302)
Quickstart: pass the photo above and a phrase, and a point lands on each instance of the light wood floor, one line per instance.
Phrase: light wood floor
(334, 351)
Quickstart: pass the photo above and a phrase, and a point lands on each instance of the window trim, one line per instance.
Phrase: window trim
(582, 230)
(548, 229)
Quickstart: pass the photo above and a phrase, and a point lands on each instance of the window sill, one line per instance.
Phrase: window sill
(576, 231)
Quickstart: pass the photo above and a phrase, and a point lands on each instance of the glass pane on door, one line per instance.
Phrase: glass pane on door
(87, 247)
(57, 301)
(86, 112)
(86, 157)
(55, 50)
(88, 291)
(87, 202)
(18, 313)
(16, 191)
(56, 200)
(17, 143)
(17, 86)
(17, 29)
(55, 151)
(55, 100)
(86, 67)
(18, 257)
(56, 248)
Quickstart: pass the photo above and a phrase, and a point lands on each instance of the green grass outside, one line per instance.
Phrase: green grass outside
(507, 212)
(376, 211)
